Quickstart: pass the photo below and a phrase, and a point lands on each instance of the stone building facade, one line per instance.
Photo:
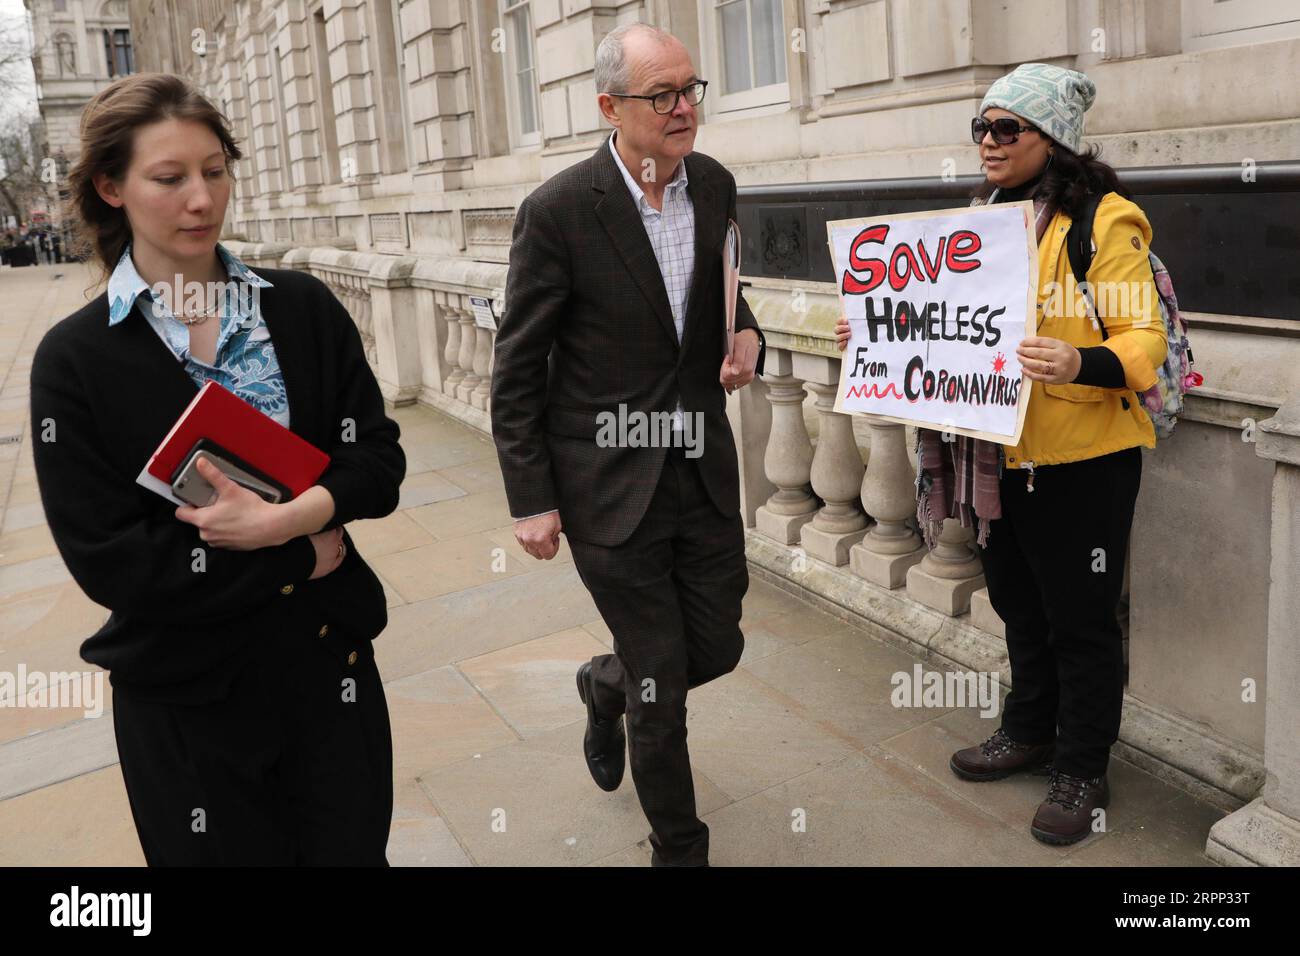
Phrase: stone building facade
(388, 143)
(78, 48)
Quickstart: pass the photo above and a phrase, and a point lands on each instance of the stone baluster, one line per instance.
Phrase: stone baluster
(836, 471)
(482, 362)
(451, 351)
(468, 343)
(788, 459)
(891, 547)
(948, 575)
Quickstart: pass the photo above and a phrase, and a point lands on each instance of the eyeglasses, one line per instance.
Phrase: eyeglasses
(1006, 129)
(665, 102)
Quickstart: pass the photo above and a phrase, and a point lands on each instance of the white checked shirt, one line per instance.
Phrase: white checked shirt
(672, 236)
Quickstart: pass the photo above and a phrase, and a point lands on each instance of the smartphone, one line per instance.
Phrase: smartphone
(190, 486)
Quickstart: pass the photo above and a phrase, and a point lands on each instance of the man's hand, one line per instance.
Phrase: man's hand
(239, 519)
(539, 535)
(738, 369)
(1048, 360)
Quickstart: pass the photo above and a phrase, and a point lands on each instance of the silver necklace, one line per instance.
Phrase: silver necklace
(196, 318)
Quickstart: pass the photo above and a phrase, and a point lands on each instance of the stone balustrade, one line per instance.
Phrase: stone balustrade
(414, 316)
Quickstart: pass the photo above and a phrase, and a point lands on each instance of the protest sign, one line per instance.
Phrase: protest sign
(937, 303)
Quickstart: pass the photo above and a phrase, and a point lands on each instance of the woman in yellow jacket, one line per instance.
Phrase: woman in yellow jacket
(1058, 507)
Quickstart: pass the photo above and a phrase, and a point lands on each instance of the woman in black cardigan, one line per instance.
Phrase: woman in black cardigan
(250, 717)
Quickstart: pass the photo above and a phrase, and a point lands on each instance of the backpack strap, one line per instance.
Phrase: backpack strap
(1078, 245)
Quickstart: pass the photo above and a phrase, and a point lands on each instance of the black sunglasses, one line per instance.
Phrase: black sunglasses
(1006, 129)
(665, 102)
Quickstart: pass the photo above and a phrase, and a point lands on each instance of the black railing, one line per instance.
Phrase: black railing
(1230, 235)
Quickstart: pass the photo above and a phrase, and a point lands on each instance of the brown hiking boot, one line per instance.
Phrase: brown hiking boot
(999, 757)
(1066, 815)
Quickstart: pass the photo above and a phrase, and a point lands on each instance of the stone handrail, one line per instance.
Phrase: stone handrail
(414, 317)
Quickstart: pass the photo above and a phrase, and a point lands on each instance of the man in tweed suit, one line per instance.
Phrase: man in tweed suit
(614, 313)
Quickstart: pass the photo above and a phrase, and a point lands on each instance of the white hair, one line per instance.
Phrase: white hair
(611, 62)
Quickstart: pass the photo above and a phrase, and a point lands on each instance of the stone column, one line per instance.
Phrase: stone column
(1266, 831)
(836, 471)
(393, 322)
(788, 460)
(948, 575)
(891, 547)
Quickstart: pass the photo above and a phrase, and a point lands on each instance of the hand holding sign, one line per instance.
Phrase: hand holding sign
(1048, 360)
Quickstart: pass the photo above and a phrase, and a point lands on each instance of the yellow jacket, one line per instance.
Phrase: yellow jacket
(1071, 422)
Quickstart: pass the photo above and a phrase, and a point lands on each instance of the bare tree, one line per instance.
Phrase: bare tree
(16, 67)
(20, 171)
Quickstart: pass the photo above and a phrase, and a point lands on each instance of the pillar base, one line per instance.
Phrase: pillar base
(782, 528)
(397, 396)
(886, 570)
(983, 616)
(828, 546)
(949, 595)
(1255, 835)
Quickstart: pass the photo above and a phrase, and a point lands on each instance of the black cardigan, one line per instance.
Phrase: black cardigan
(103, 398)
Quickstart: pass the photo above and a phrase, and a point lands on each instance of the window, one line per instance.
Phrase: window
(521, 74)
(117, 52)
(747, 42)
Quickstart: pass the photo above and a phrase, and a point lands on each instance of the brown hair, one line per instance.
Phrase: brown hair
(108, 125)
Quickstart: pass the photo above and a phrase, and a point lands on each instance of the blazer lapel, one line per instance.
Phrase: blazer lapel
(617, 212)
(708, 245)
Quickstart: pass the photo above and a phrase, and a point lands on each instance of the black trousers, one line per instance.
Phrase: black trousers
(671, 596)
(294, 766)
(1055, 568)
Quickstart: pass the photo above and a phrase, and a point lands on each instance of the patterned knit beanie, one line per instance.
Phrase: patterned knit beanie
(1051, 98)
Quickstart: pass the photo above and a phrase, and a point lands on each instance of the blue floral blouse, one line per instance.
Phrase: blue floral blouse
(245, 357)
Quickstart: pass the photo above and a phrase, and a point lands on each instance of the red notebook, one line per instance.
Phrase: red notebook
(221, 416)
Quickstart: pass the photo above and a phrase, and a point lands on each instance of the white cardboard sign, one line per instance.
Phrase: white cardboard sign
(937, 303)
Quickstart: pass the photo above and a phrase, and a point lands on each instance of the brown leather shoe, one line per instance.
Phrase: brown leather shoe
(999, 757)
(1066, 815)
